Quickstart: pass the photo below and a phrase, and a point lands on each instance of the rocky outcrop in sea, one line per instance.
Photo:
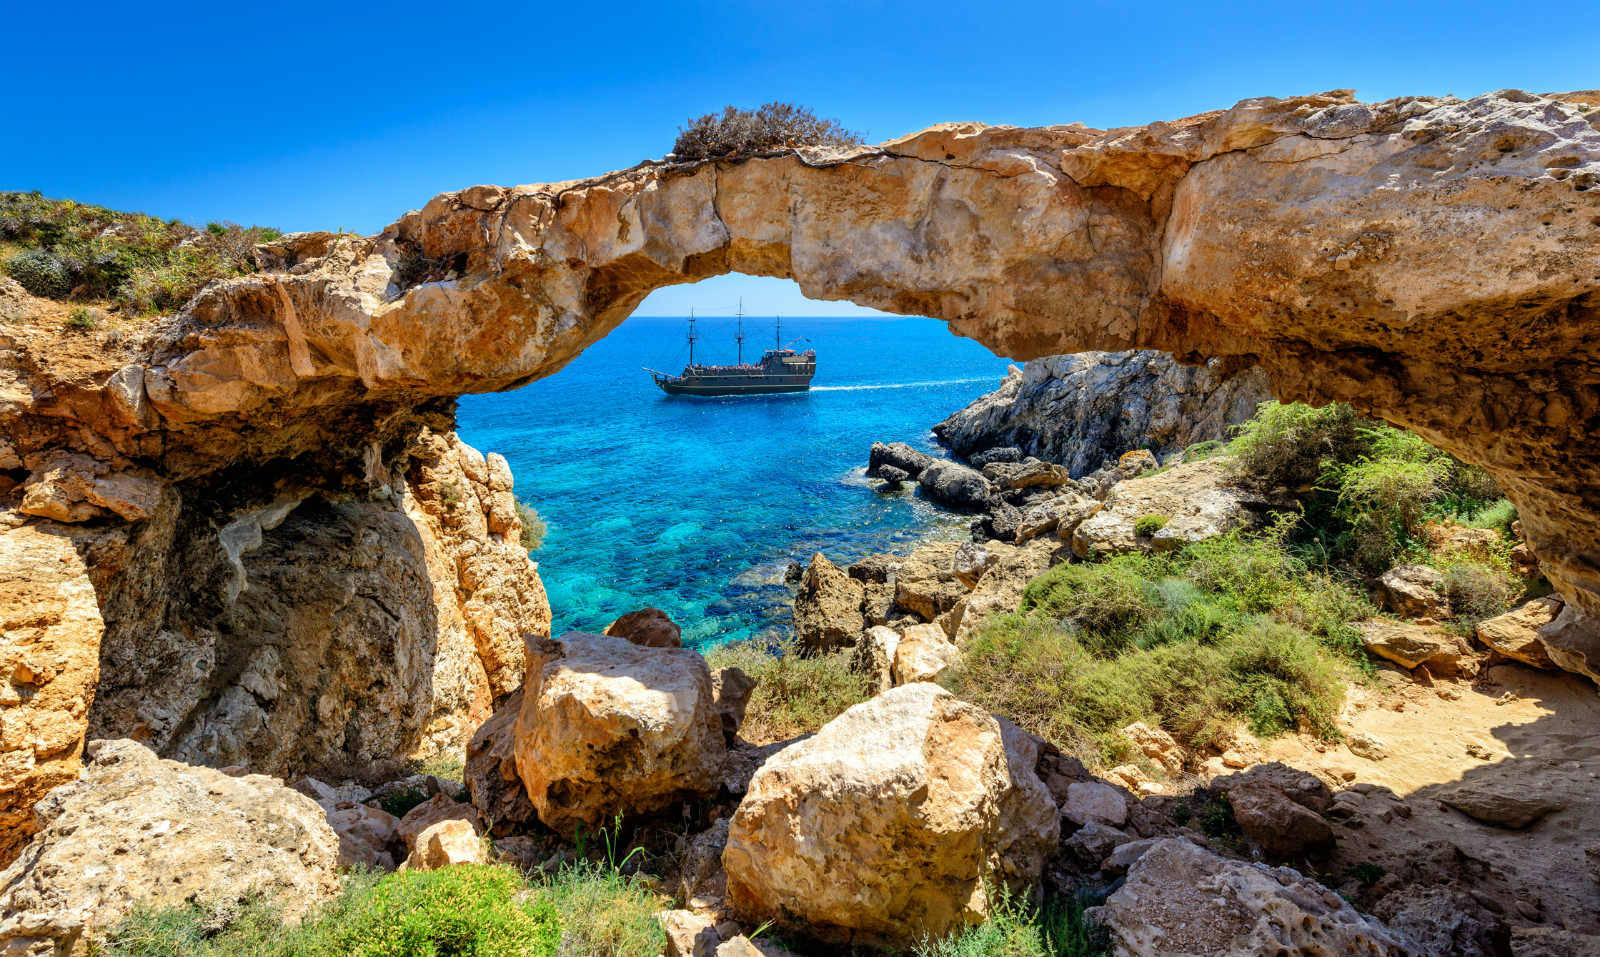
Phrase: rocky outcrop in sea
(1084, 409)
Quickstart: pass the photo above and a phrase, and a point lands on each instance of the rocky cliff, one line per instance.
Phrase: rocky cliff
(1084, 410)
(1429, 260)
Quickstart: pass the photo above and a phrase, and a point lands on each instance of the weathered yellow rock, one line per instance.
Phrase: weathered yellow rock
(893, 823)
(446, 843)
(608, 727)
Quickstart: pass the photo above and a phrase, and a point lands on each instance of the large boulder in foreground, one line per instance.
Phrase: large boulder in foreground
(1515, 634)
(137, 829)
(827, 607)
(893, 823)
(954, 485)
(1195, 499)
(1180, 900)
(608, 727)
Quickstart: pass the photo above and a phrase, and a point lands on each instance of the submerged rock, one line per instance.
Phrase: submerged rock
(892, 824)
(608, 728)
(137, 829)
(899, 456)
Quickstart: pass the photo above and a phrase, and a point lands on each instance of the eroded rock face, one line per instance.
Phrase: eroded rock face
(892, 823)
(827, 607)
(1195, 499)
(608, 727)
(138, 829)
(1428, 260)
(1084, 410)
(1182, 901)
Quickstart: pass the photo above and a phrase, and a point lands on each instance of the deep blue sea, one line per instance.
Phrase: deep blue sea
(697, 505)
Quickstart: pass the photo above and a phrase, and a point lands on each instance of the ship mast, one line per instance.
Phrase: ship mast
(692, 336)
(739, 337)
(777, 332)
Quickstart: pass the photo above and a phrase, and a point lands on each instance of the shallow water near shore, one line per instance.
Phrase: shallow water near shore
(697, 505)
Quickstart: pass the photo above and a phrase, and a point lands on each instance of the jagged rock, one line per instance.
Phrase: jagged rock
(1442, 920)
(1182, 901)
(898, 456)
(922, 654)
(891, 824)
(1155, 744)
(647, 627)
(875, 657)
(1030, 473)
(874, 569)
(1306, 790)
(999, 591)
(827, 607)
(1094, 842)
(1194, 498)
(1005, 453)
(1095, 801)
(730, 691)
(136, 829)
(955, 486)
(608, 727)
(328, 795)
(367, 835)
(1083, 410)
(893, 478)
(925, 584)
(1283, 828)
(430, 812)
(445, 843)
(493, 786)
(1414, 591)
(1364, 744)
(1125, 855)
(75, 488)
(1408, 645)
(1499, 804)
(1515, 634)
(971, 560)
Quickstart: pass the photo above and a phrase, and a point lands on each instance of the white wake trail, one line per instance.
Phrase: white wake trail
(902, 385)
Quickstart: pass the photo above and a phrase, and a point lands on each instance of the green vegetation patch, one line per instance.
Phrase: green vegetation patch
(472, 910)
(533, 527)
(1146, 525)
(60, 249)
(1015, 928)
(795, 694)
(773, 126)
(1236, 628)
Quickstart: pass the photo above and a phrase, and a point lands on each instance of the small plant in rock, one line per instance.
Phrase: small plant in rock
(533, 527)
(82, 319)
(449, 495)
(1367, 874)
(1147, 525)
(399, 802)
(774, 126)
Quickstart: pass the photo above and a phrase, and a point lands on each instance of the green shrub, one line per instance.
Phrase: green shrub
(1477, 588)
(603, 911)
(82, 319)
(1147, 525)
(1108, 603)
(41, 273)
(1017, 929)
(795, 694)
(1291, 445)
(399, 802)
(738, 132)
(533, 527)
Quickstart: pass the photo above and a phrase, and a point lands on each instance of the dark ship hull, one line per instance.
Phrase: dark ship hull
(779, 371)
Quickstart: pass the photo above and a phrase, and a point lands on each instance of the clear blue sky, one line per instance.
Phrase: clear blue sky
(327, 115)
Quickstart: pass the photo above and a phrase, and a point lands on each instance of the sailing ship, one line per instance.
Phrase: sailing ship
(780, 369)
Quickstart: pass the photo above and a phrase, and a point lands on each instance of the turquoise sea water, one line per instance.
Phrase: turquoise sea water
(697, 505)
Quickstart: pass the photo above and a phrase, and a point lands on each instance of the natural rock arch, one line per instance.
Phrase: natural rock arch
(1435, 262)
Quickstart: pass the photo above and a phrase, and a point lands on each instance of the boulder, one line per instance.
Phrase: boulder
(1059, 515)
(1364, 744)
(493, 786)
(136, 829)
(827, 607)
(1414, 591)
(648, 628)
(1515, 634)
(927, 586)
(1095, 801)
(893, 478)
(367, 835)
(875, 657)
(1093, 843)
(1281, 827)
(1500, 804)
(954, 486)
(608, 728)
(922, 654)
(1195, 498)
(1004, 453)
(430, 812)
(1409, 644)
(896, 455)
(894, 823)
(446, 843)
(1180, 900)
(874, 569)
(730, 692)
(971, 560)
(1155, 744)
(1125, 855)
(1301, 787)
(1572, 641)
